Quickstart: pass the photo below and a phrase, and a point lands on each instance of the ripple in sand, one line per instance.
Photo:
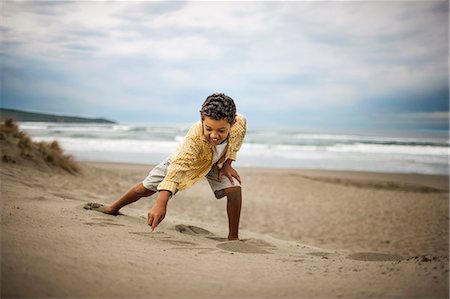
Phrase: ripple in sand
(215, 238)
(150, 234)
(374, 257)
(103, 224)
(321, 254)
(180, 243)
(103, 219)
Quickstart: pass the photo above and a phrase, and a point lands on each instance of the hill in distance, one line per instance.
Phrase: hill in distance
(19, 116)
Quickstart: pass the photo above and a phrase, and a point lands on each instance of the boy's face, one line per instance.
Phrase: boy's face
(216, 131)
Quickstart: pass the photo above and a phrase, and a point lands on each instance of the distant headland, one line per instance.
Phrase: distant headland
(19, 115)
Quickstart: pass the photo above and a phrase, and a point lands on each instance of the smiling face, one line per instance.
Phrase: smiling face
(216, 131)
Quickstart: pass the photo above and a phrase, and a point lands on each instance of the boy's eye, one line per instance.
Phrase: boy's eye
(210, 129)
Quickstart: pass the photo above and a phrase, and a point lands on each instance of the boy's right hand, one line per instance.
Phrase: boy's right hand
(157, 213)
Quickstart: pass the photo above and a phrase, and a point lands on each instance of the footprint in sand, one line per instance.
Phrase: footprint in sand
(191, 230)
(374, 257)
(241, 247)
(247, 246)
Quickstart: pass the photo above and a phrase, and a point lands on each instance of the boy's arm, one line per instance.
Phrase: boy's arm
(238, 131)
(180, 165)
(158, 211)
(228, 171)
(175, 174)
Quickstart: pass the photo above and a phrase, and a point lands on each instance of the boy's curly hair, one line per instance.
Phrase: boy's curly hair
(219, 106)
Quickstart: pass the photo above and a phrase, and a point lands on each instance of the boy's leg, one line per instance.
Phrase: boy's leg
(233, 193)
(234, 203)
(146, 188)
(133, 194)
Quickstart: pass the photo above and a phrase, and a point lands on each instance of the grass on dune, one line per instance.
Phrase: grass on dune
(18, 147)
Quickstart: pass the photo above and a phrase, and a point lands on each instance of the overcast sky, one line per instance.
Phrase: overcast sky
(304, 64)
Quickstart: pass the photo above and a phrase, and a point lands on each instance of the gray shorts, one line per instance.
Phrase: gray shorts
(158, 173)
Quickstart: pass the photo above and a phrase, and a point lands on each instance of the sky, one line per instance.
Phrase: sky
(372, 65)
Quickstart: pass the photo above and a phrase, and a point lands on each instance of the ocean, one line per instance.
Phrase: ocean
(412, 152)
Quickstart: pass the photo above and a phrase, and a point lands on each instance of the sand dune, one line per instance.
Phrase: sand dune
(304, 234)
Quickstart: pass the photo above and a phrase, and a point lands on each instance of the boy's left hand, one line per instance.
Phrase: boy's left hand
(229, 172)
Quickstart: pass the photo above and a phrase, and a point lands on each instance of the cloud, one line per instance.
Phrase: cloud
(423, 120)
(438, 116)
(274, 58)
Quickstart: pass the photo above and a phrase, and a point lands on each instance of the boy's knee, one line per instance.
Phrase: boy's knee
(140, 190)
(232, 191)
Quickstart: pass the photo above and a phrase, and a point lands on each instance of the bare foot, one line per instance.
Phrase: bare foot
(101, 208)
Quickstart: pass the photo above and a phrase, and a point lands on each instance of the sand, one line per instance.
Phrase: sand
(304, 234)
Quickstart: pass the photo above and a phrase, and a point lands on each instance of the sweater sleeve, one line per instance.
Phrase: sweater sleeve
(238, 132)
(181, 164)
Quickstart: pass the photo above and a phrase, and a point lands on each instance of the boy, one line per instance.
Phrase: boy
(208, 150)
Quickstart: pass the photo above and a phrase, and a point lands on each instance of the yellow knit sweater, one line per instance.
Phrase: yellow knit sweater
(194, 157)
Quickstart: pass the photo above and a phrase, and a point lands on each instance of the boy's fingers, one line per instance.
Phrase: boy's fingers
(237, 177)
(230, 177)
(150, 219)
(157, 220)
(154, 224)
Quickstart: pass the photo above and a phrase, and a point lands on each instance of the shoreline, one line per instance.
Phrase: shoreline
(437, 181)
